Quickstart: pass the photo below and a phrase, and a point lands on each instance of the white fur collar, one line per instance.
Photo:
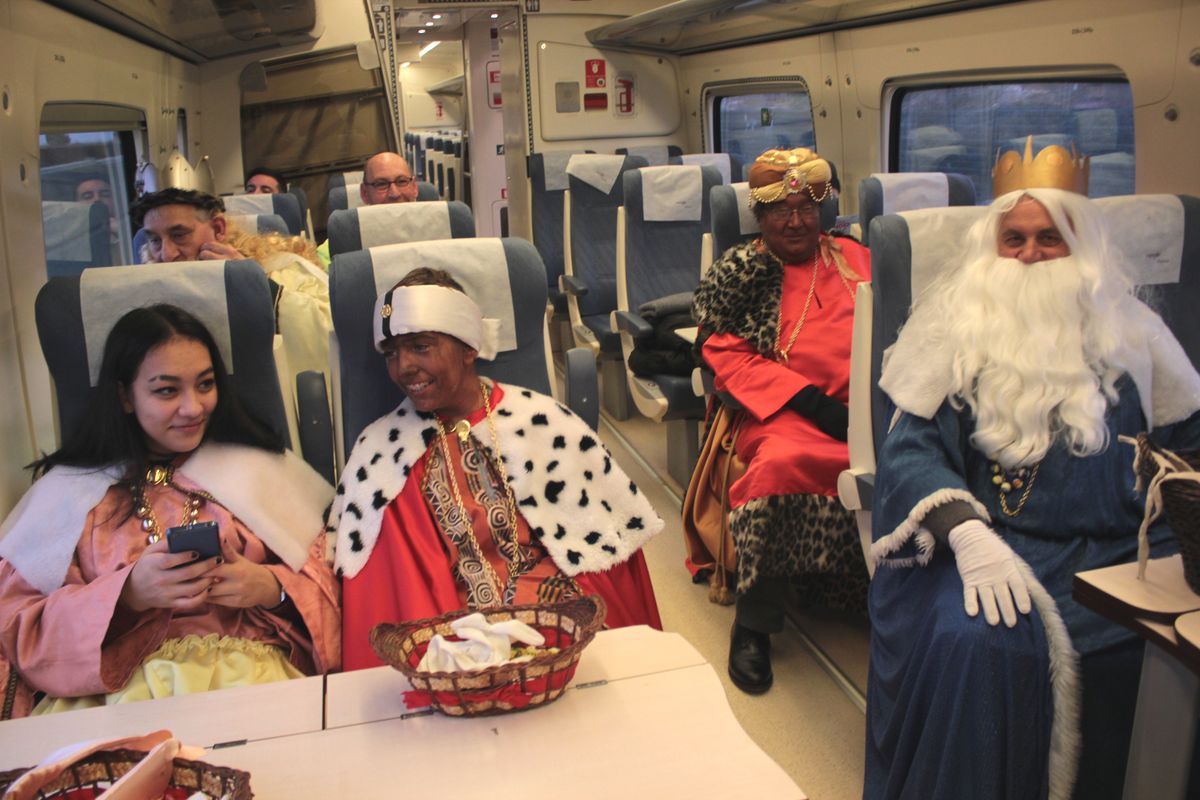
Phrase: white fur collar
(917, 368)
(279, 497)
(587, 513)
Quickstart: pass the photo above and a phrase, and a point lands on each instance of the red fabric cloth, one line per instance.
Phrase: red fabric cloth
(408, 575)
(785, 452)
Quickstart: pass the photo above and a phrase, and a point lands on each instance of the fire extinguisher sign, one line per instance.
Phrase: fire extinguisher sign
(595, 73)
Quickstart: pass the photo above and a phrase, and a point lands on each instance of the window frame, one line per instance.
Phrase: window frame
(712, 93)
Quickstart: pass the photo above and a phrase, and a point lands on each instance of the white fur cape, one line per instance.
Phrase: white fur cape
(279, 497)
(583, 509)
(917, 369)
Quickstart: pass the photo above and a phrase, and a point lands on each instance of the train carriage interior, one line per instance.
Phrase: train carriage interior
(617, 139)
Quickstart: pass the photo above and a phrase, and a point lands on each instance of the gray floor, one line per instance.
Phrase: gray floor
(809, 723)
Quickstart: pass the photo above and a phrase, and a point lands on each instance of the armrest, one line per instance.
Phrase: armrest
(631, 323)
(315, 425)
(572, 285)
(856, 489)
(582, 394)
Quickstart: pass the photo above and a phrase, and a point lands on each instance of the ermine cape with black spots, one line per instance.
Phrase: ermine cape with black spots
(579, 504)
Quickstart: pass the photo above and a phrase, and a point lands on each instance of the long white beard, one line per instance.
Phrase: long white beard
(1035, 346)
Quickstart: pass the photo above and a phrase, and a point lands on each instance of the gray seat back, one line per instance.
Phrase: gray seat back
(396, 223)
(891, 193)
(594, 238)
(656, 155)
(344, 179)
(548, 184)
(259, 223)
(284, 204)
(232, 298)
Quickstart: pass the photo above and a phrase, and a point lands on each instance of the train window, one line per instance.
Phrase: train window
(89, 156)
(960, 128)
(745, 125)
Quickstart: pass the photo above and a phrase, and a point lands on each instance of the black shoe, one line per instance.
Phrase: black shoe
(750, 660)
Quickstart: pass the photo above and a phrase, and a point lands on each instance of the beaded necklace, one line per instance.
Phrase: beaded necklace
(1022, 479)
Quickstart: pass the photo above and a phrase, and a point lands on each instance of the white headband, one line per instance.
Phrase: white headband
(416, 309)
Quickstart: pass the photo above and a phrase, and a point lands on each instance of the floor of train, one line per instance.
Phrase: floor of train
(812, 720)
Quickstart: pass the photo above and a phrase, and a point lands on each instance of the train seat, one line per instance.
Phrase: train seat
(504, 276)
(76, 236)
(259, 223)
(284, 204)
(547, 185)
(1159, 236)
(396, 223)
(719, 160)
(659, 234)
(890, 193)
(305, 212)
(344, 197)
(345, 178)
(75, 314)
(656, 155)
(595, 191)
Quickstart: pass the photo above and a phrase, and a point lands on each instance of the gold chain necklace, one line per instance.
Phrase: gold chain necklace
(160, 475)
(782, 352)
(462, 429)
(1022, 480)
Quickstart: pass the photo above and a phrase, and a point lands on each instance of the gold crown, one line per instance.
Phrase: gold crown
(1054, 168)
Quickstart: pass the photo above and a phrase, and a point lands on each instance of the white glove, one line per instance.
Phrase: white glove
(989, 573)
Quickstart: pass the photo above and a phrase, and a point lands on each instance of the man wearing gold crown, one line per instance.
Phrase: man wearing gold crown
(1001, 477)
(775, 317)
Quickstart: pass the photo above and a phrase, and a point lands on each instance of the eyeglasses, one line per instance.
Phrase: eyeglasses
(402, 182)
(783, 212)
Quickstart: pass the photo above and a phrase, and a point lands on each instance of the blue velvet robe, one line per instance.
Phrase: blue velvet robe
(959, 708)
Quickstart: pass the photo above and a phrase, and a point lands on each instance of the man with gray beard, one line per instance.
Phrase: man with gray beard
(1001, 477)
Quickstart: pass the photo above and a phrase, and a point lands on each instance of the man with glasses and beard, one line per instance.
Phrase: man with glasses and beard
(1001, 477)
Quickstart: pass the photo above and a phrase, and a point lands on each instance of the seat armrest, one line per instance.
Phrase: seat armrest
(856, 489)
(314, 423)
(582, 394)
(572, 285)
(631, 323)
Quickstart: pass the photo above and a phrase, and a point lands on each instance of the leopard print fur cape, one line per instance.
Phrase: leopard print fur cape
(740, 293)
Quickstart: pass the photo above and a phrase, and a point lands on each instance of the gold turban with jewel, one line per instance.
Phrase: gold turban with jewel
(1054, 168)
(777, 173)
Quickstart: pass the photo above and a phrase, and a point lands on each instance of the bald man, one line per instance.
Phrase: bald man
(387, 178)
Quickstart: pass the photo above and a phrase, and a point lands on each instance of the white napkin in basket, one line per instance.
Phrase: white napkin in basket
(483, 644)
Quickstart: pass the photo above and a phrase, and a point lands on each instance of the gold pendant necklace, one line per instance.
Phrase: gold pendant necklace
(163, 475)
(463, 430)
(781, 353)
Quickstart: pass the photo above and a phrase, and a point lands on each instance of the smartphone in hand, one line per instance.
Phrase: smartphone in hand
(202, 537)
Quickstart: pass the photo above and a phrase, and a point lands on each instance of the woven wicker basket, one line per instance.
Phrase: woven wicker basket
(569, 626)
(89, 777)
(1180, 485)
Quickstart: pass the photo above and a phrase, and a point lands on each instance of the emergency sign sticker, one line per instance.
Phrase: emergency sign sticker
(595, 73)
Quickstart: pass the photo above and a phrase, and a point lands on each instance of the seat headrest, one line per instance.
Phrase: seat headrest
(479, 265)
(597, 170)
(908, 191)
(672, 193)
(718, 160)
(391, 223)
(106, 295)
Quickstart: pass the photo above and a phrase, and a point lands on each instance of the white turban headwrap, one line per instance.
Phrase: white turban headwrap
(417, 309)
